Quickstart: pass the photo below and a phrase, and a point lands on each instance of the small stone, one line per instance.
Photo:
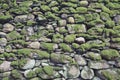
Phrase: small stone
(64, 16)
(2, 49)
(34, 45)
(8, 27)
(84, 3)
(96, 78)
(117, 19)
(2, 34)
(62, 23)
(98, 64)
(30, 64)
(30, 31)
(80, 60)
(21, 18)
(71, 20)
(80, 40)
(87, 73)
(5, 66)
(3, 41)
(73, 72)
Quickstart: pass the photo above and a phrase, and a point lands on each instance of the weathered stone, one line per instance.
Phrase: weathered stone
(71, 20)
(30, 64)
(80, 60)
(80, 40)
(34, 45)
(8, 27)
(3, 41)
(5, 66)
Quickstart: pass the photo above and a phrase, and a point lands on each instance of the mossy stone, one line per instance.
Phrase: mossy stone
(24, 52)
(53, 4)
(31, 74)
(75, 45)
(51, 16)
(68, 4)
(81, 9)
(21, 42)
(5, 6)
(44, 8)
(70, 38)
(55, 9)
(110, 54)
(6, 78)
(110, 24)
(57, 38)
(105, 16)
(88, 17)
(16, 74)
(48, 70)
(5, 18)
(65, 47)
(79, 18)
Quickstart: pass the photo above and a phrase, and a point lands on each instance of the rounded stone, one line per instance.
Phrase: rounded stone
(80, 40)
(34, 45)
(8, 27)
(71, 20)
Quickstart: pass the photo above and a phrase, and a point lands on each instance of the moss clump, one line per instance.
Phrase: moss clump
(16, 74)
(69, 4)
(47, 46)
(55, 9)
(57, 38)
(110, 24)
(94, 56)
(79, 18)
(42, 54)
(21, 42)
(51, 16)
(6, 78)
(81, 10)
(105, 9)
(70, 38)
(5, 18)
(31, 74)
(18, 64)
(48, 70)
(105, 16)
(5, 6)
(75, 45)
(110, 54)
(65, 47)
(62, 30)
(88, 17)
(24, 52)
(9, 55)
(11, 37)
(31, 23)
(113, 6)
(84, 47)
(53, 4)
(44, 8)
(116, 40)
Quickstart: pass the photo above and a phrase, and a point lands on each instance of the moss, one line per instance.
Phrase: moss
(94, 56)
(55, 9)
(42, 54)
(110, 24)
(79, 18)
(83, 3)
(47, 46)
(53, 4)
(57, 38)
(73, 1)
(36, 78)
(44, 8)
(9, 55)
(21, 42)
(18, 64)
(50, 15)
(75, 45)
(65, 47)
(6, 78)
(68, 4)
(16, 74)
(31, 74)
(70, 38)
(113, 6)
(62, 30)
(105, 9)
(31, 23)
(116, 40)
(88, 17)
(81, 9)
(108, 75)
(105, 16)
(5, 18)
(84, 47)
(11, 37)
(26, 3)
(76, 28)
(96, 22)
(48, 70)
(24, 52)
(109, 54)
(5, 6)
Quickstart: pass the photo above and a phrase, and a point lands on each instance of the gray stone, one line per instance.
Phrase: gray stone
(87, 73)
(71, 20)
(80, 60)
(30, 31)
(117, 19)
(21, 18)
(80, 40)
(3, 41)
(34, 45)
(73, 71)
(5, 66)
(2, 49)
(96, 78)
(98, 64)
(30, 64)
(8, 27)
(62, 23)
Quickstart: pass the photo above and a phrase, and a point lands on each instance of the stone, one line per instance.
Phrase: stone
(73, 72)
(8, 27)
(2, 34)
(30, 31)
(84, 3)
(29, 73)
(98, 64)
(80, 60)
(3, 41)
(34, 45)
(96, 78)
(64, 16)
(117, 19)
(21, 18)
(71, 20)
(62, 23)
(87, 73)
(30, 64)
(5, 66)
(2, 49)
(80, 40)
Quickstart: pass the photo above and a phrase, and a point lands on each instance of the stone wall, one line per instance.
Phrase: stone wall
(59, 39)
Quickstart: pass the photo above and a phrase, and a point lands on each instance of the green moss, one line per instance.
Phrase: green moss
(117, 40)
(81, 9)
(113, 6)
(18, 64)
(9, 55)
(31, 23)
(79, 18)
(65, 47)
(73, 1)
(53, 4)
(31, 74)
(75, 45)
(68, 4)
(42, 54)
(110, 24)
(5, 6)
(110, 54)
(88, 17)
(50, 15)
(24, 52)
(62, 30)
(70, 38)
(26, 3)
(57, 38)
(6, 78)
(94, 56)
(44, 8)
(84, 47)
(55, 9)
(96, 16)
(11, 37)
(105, 9)
(47, 46)
(48, 70)
(16, 74)
(83, 3)
(105, 16)
(5, 18)
(21, 42)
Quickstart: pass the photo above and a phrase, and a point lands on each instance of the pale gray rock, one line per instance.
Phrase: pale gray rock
(8, 27)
